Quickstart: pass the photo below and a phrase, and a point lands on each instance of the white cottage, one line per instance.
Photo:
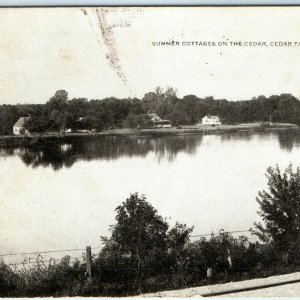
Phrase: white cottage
(19, 127)
(211, 120)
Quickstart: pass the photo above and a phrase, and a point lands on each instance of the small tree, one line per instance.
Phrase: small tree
(139, 237)
(57, 106)
(178, 239)
(280, 212)
(141, 248)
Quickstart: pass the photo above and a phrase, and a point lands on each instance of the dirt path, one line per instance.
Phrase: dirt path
(271, 286)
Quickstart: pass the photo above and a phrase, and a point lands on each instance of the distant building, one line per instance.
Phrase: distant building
(211, 120)
(154, 117)
(82, 125)
(158, 122)
(19, 127)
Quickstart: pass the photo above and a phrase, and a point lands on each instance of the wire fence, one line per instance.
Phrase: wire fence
(43, 252)
(42, 261)
(219, 233)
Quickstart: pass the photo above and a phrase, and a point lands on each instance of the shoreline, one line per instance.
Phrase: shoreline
(15, 141)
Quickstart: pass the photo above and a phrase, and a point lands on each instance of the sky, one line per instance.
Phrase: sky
(98, 53)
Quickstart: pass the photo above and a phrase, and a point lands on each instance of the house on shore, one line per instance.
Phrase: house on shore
(19, 127)
(81, 125)
(158, 122)
(211, 120)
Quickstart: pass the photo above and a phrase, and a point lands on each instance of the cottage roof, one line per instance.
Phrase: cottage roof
(158, 118)
(212, 117)
(21, 122)
(151, 115)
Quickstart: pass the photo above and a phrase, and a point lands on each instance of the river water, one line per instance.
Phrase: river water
(62, 196)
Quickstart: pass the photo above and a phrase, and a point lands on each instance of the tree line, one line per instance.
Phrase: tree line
(145, 254)
(60, 112)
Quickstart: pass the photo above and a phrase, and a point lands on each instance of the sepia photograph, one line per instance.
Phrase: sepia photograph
(150, 151)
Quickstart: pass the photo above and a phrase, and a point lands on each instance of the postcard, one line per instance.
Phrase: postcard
(150, 151)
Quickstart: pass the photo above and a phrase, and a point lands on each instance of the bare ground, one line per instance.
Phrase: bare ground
(274, 286)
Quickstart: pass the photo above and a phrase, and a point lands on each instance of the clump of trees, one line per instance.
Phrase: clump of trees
(8, 280)
(144, 254)
(280, 212)
(63, 278)
(141, 245)
(60, 112)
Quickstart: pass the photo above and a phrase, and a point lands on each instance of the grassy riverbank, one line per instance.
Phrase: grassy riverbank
(15, 141)
(202, 129)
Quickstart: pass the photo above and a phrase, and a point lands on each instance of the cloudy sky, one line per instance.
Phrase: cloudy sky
(108, 52)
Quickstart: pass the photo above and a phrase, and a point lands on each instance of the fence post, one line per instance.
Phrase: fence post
(209, 273)
(89, 262)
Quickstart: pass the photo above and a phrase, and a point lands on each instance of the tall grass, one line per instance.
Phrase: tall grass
(114, 276)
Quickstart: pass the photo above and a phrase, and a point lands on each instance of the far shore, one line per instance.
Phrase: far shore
(14, 141)
(200, 129)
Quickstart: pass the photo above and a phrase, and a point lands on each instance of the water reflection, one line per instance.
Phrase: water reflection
(59, 155)
(238, 136)
(288, 139)
(212, 183)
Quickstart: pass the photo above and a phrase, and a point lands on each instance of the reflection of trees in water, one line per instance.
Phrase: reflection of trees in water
(227, 137)
(169, 147)
(242, 136)
(289, 139)
(7, 152)
(59, 155)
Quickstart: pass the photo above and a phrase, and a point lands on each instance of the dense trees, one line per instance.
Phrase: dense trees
(143, 254)
(8, 280)
(60, 112)
(57, 107)
(280, 212)
(140, 243)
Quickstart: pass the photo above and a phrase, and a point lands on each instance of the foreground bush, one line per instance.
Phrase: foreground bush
(116, 275)
(144, 255)
(280, 210)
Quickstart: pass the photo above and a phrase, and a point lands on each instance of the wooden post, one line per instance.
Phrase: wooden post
(229, 258)
(89, 262)
(209, 272)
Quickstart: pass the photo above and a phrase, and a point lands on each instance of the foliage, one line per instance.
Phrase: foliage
(139, 237)
(57, 107)
(41, 280)
(114, 275)
(143, 254)
(8, 280)
(280, 211)
(138, 121)
(60, 112)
